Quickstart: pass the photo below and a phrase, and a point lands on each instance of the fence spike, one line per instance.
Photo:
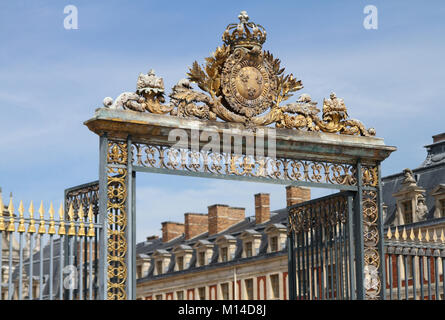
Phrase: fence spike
(52, 228)
(411, 235)
(442, 237)
(396, 234)
(21, 228)
(435, 236)
(2, 220)
(11, 227)
(42, 221)
(389, 234)
(81, 214)
(90, 219)
(32, 226)
(71, 230)
(427, 236)
(404, 235)
(62, 230)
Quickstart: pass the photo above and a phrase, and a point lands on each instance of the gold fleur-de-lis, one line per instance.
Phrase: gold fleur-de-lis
(21, 228)
(396, 234)
(411, 235)
(11, 227)
(81, 213)
(42, 221)
(90, 219)
(52, 228)
(32, 226)
(71, 229)
(2, 220)
(62, 230)
(404, 235)
(419, 235)
(389, 234)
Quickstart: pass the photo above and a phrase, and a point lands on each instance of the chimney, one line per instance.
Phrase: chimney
(195, 224)
(296, 195)
(171, 230)
(439, 137)
(221, 217)
(262, 208)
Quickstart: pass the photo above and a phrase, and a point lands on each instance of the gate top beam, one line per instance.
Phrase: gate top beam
(154, 129)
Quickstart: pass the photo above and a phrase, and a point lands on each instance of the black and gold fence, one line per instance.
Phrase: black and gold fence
(48, 257)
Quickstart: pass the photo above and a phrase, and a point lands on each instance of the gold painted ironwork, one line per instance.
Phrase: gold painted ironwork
(243, 84)
(81, 215)
(117, 220)
(21, 228)
(371, 239)
(51, 228)
(62, 230)
(71, 229)
(42, 229)
(32, 225)
(11, 227)
(2, 220)
(165, 157)
(91, 232)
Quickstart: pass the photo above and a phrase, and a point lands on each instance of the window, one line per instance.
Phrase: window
(159, 297)
(225, 291)
(224, 254)
(274, 283)
(202, 293)
(274, 244)
(139, 271)
(202, 258)
(249, 288)
(180, 295)
(159, 267)
(248, 249)
(180, 262)
(407, 212)
(442, 208)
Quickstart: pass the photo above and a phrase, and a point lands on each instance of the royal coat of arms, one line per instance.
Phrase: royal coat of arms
(241, 83)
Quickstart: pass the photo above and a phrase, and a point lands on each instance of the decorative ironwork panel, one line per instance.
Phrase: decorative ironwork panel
(230, 164)
(372, 281)
(117, 172)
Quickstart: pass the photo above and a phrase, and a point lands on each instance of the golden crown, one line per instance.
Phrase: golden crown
(244, 33)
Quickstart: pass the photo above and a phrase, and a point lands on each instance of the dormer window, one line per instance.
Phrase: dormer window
(407, 212)
(183, 254)
(251, 243)
(204, 252)
(180, 262)
(143, 263)
(224, 254)
(248, 249)
(277, 235)
(442, 208)
(159, 267)
(439, 196)
(162, 260)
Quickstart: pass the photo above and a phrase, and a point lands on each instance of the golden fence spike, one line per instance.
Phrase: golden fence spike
(42, 221)
(427, 236)
(71, 229)
(81, 214)
(52, 228)
(419, 235)
(62, 230)
(2, 220)
(396, 234)
(404, 235)
(411, 235)
(32, 226)
(435, 236)
(21, 228)
(90, 219)
(389, 234)
(11, 227)
(442, 237)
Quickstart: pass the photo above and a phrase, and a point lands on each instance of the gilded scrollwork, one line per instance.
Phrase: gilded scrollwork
(243, 84)
(117, 220)
(164, 157)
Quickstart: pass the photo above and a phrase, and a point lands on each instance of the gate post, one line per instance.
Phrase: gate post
(358, 235)
(114, 180)
(291, 271)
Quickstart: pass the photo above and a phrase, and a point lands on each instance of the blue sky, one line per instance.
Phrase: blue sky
(52, 79)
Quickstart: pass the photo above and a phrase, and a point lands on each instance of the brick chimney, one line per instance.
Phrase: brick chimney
(439, 137)
(171, 230)
(262, 208)
(195, 224)
(222, 216)
(296, 195)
